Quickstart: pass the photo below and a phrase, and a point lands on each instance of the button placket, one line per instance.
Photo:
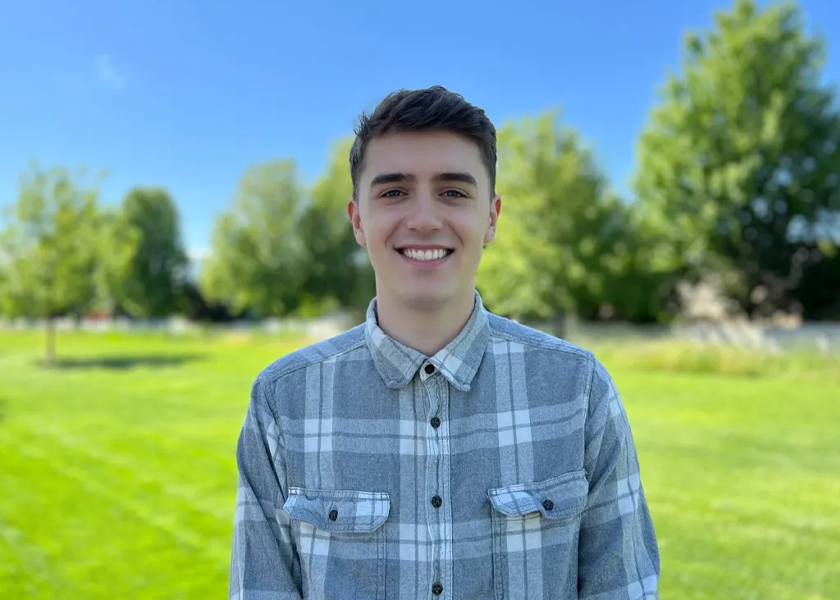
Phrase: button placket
(435, 476)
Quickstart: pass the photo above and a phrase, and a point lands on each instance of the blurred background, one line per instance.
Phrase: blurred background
(175, 177)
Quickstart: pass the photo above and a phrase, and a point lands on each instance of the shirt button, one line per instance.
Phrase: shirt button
(548, 504)
(437, 501)
(333, 515)
(429, 369)
(435, 422)
(437, 589)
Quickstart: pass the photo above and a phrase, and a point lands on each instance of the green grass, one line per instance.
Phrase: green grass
(684, 357)
(117, 473)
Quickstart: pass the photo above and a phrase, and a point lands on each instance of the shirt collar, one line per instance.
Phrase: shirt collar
(458, 362)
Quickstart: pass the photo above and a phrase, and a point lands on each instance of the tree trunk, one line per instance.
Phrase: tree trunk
(50, 357)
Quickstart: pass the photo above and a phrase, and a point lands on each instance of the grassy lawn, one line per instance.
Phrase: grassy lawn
(117, 473)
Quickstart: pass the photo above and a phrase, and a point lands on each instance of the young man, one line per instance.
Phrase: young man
(437, 450)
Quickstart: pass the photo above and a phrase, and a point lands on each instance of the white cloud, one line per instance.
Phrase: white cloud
(107, 75)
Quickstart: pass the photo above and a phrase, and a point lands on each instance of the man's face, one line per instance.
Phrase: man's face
(424, 212)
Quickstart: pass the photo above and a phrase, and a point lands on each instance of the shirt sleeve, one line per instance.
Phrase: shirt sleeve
(618, 551)
(264, 563)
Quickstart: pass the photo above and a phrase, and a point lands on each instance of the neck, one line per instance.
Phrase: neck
(427, 332)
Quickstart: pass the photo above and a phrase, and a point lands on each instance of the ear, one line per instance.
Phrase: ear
(495, 211)
(356, 220)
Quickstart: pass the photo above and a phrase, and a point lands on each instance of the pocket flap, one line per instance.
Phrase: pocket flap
(339, 510)
(556, 498)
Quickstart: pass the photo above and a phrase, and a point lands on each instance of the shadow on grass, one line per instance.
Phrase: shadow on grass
(2, 409)
(123, 362)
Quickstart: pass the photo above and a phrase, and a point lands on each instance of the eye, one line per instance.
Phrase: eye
(454, 194)
(392, 193)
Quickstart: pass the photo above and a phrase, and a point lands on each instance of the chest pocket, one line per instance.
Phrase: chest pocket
(340, 539)
(535, 529)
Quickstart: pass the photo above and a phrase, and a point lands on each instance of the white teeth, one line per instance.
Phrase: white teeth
(425, 255)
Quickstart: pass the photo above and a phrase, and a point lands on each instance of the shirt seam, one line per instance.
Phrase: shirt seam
(556, 346)
(281, 372)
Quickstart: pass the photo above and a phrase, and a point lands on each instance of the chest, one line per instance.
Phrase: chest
(395, 492)
(502, 431)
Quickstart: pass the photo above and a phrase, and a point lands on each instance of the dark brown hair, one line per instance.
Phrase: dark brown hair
(430, 109)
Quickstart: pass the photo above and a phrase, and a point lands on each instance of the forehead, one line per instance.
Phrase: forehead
(422, 154)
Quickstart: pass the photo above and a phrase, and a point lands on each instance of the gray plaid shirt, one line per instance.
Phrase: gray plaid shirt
(501, 467)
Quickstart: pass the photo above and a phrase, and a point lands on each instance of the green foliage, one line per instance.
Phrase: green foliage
(544, 176)
(566, 244)
(116, 246)
(61, 254)
(284, 249)
(158, 262)
(48, 246)
(257, 251)
(738, 165)
(338, 269)
(49, 249)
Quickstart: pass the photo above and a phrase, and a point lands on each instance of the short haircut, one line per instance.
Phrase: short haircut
(430, 109)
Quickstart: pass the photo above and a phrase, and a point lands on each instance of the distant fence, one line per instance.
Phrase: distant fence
(810, 336)
(321, 327)
(813, 336)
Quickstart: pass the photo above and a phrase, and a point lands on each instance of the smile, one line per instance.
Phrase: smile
(425, 255)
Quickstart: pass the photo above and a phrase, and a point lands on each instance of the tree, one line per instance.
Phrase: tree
(116, 244)
(566, 240)
(738, 166)
(257, 251)
(158, 263)
(5, 291)
(196, 308)
(338, 271)
(50, 249)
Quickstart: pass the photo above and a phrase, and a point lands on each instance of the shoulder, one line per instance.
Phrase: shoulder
(554, 355)
(504, 331)
(326, 350)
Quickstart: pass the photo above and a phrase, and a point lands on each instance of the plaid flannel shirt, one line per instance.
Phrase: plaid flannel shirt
(501, 467)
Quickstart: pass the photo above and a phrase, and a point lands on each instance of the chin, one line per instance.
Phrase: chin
(425, 301)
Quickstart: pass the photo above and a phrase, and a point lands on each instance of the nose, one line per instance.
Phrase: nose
(423, 213)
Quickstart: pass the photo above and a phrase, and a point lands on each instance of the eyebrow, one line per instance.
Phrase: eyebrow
(449, 176)
(390, 178)
(456, 176)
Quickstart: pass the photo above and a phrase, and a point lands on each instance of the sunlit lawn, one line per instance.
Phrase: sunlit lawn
(117, 473)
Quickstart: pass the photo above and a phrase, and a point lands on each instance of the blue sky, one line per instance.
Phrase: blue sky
(186, 95)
